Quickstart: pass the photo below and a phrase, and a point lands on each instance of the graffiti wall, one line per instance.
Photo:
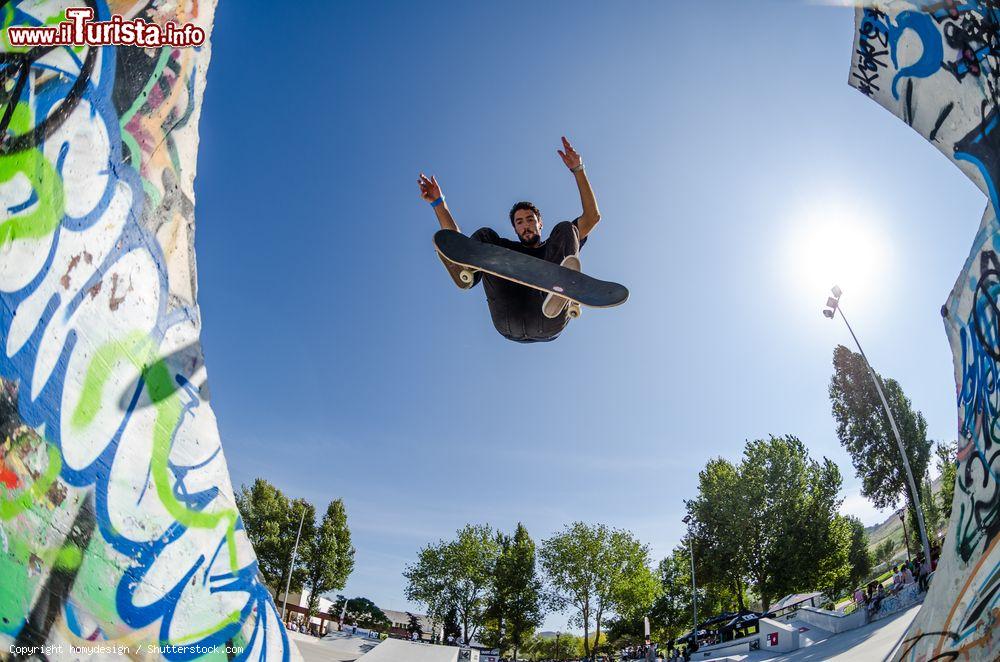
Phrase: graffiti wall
(117, 521)
(936, 65)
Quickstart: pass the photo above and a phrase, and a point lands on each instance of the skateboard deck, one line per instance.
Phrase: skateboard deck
(470, 256)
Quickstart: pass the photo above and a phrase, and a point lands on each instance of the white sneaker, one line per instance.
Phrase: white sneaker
(554, 304)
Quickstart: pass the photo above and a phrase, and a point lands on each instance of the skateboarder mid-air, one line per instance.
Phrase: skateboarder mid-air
(520, 313)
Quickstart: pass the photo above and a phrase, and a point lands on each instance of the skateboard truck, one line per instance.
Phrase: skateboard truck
(463, 277)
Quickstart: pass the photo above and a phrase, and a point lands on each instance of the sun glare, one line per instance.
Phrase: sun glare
(838, 247)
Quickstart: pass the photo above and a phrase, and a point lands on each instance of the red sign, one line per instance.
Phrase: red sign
(772, 639)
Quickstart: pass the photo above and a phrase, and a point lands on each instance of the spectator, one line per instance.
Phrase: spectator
(897, 579)
(925, 576)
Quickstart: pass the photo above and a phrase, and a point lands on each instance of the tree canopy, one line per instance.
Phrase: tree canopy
(331, 555)
(946, 463)
(884, 551)
(514, 607)
(865, 431)
(598, 572)
(325, 556)
(361, 612)
(745, 515)
(456, 574)
(272, 521)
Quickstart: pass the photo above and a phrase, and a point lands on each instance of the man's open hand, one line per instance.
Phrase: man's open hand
(570, 156)
(430, 190)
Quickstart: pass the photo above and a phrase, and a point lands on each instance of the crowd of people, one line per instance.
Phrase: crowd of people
(300, 625)
(638, 652)
(912, 571)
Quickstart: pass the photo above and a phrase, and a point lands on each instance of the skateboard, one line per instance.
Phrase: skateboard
(463, 257)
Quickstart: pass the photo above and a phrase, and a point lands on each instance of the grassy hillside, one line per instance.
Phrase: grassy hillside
(893, 528)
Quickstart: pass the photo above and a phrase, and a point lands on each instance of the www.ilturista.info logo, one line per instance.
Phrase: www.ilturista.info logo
(80, 29)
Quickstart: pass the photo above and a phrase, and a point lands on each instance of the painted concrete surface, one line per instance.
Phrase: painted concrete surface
(118, 527)
(936, 66)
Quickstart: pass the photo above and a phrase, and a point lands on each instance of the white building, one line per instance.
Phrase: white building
(296, 611)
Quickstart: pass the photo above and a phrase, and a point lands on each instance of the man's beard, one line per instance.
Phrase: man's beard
(529, 238)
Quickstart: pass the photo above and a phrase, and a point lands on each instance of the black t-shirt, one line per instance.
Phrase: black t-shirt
(534, 251)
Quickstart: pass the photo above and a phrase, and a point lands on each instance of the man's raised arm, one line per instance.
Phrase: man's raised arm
(591, 214)
(430, 191)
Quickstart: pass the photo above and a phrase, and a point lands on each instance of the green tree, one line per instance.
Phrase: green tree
(859, 557)
(413, 626)
(865, 431)
(788, 496)
(672, 612)
(361, 612)
(598, 572)
(301, 513)
(264, 511)
(552, 647)
(932, 514)
(946, 463)
(835, 571)
(621, 632)
(515, 603)
(272, 521)
(885, 551)
(451, 627)
(721, 513)
(457, 574)
(331, 555)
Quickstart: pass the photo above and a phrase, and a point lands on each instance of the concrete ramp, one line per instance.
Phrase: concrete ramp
(332, 648)
(934, 65)
(398, 650)
(347, 643)
(809, 634)
(119, 535)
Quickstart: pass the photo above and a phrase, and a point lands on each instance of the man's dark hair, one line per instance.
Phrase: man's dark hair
(524, 204)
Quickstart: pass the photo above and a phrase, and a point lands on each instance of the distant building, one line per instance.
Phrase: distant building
(324, 621)
(296, 612)
(401, 621)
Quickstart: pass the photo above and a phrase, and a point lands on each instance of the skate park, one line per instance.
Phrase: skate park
(118, 510)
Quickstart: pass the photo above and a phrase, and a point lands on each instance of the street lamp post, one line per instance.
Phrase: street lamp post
(688, 519)
(832, 308)
(906, 536)
(295, 549)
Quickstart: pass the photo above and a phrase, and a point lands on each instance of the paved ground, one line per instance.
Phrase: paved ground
(874, 641)
(391, 650)
(314, 650)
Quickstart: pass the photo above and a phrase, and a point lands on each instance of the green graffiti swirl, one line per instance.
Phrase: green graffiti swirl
(140, 351)
(45, 181)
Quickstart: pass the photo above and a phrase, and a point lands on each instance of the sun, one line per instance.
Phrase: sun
(838, 246)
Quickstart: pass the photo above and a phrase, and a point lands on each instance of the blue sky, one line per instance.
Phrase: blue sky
(737, 174)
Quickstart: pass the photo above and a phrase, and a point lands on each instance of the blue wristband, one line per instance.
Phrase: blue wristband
(437, 203)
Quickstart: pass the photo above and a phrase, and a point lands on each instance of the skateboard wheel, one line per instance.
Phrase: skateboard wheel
(574, 311)
(466, 276)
